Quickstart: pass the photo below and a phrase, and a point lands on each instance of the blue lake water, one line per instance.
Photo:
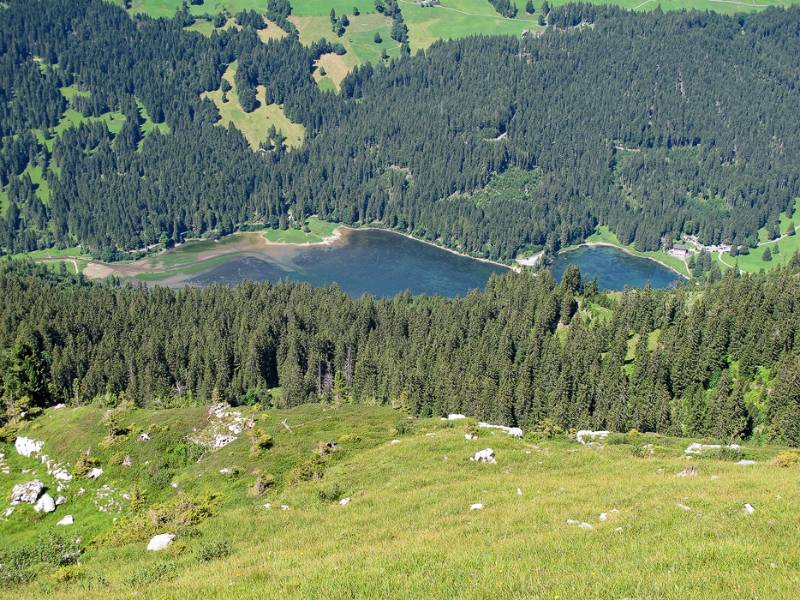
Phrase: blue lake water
(614, 269)
(374, 262)
(383, 263)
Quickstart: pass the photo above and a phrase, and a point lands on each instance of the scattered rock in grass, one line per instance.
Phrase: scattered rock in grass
(127, 461)
(514, 432)
(4, 468)
(267, 505)
(394, 442)
(26, 446)
(344, 501)
(430, 434)
(619, 530)
(284, 507)
(8, 512)
(572, 522)
(144, 437)
(749, 509)
(94, 473)
(588, 437)
(688, 472)
(45, 504)
(224, 426)
(603, 517)
(455, 417)
(27, 493)
(484, 456)
(698, 448)
(59, 406)
(682, 506)
(160, 542)
(68, 520)
(470, 436)
(746, 462)
(519, 491)
(586, 526)
(226, 471)
(476, 506)
(326, 448)
(60, 500)
(107, 499)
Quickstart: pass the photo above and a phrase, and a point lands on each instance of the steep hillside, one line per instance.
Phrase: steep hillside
(389, 512)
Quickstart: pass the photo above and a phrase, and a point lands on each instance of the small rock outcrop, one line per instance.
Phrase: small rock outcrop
(484, 456)
(160, 542)
(45, 504)
(27, 493)
(698, 448)
(94, 473)
(587, 436)
(224, 427)
(455, 417)
(26, 446)
(514, 432)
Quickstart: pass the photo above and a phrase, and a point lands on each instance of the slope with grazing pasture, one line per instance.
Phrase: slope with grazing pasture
(397, 509)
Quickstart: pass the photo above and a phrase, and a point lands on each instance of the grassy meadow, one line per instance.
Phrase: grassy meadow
(407, 530)
(254, 125)
(604, 235)
(318, 231)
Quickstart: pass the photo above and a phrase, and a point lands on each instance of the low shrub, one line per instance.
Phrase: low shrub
(546, 429)
(726, 453)
(176, 515)
(261, 484)
(311, 469)
(83, 465)
(787, 458)
(261, 441)
(213, 550)
(150, 574)
(332, 492)
(403, 427)
(23, 563)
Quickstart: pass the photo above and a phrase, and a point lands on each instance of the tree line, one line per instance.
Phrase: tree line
(720, 359)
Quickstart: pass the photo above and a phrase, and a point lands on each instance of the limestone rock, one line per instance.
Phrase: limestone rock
(26, 446)
(94, 473)
(485, 456)
(587, 436)
(68, 520)
(455, 417)
(27, 492)
(160, 542)
(476, 506)
(45, 504)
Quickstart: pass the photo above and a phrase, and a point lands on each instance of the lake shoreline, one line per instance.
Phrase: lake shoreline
(626, 251)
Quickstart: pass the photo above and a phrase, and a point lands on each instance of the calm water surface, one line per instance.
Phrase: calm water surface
(383, 263)
(374, 262)
(614, 269)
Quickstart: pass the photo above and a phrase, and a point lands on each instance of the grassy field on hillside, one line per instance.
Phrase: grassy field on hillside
(254, 125)
(407, 529)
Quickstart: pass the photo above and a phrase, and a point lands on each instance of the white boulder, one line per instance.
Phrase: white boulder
(60, 500)
(698, 448)
(470, 436)
(586, 526)
(160, 542)
(484, 456)
(26, 446)
(94, 473)
(144, 437)
(746, 462)
(748, 508)
(587, 436)
(455, 417)
(476, 506)
(45, 504)
(27, 493)
(68, 520)
(344, 501)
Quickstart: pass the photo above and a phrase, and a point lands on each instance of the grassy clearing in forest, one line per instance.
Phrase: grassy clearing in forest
(254, 125)
(408, 530)
(789, 245)
(318, 231)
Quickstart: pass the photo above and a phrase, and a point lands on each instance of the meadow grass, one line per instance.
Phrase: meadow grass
(408, 530)
(318, 231)
(254, 125)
